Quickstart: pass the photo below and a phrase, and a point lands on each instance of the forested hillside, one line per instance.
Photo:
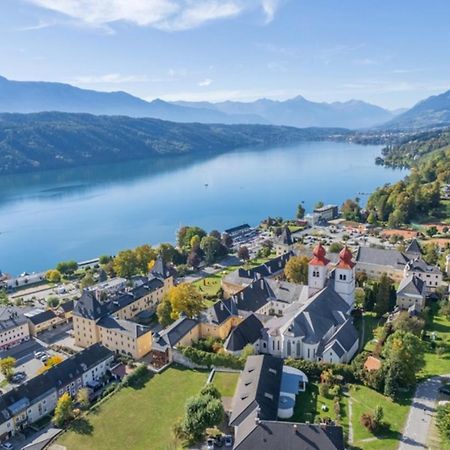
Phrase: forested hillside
(30, 142)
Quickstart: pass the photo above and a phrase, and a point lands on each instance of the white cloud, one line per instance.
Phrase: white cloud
(111, 78)
(169, 15)
(205, 82)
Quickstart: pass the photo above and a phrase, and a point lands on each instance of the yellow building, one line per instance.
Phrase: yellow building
(96, 319)
(43, 321)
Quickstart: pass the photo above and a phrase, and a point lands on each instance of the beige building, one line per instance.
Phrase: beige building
(283, 243)
(107, 320)
(14, 327)
(42, 321)
(411, 293)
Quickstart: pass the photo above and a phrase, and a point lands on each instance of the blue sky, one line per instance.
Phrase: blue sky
(389, 52)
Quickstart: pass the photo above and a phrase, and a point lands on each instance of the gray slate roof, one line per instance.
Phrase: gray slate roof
(272, 267)
(11, 317)
(258, 389)
(263, 290)
(285, 237)
(219, 312)
(133, 329)
(42, 317)
(247, 332)
(343, 339)
(414, 248)
(381, 257)
(274, 435)
(171, 335)
(57, 377)
(419, 265)
(411, 286)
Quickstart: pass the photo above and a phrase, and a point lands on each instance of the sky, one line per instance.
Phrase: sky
(392, 53)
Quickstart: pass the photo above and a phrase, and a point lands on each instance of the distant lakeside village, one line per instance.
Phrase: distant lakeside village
(299, 317)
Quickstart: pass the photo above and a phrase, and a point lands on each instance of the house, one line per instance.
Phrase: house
(100, 318)
(245, 333)
(375, 261)
(42, 320)
(238, 279)
(26, 279)
(324, 214)
(14, 327)
(219, 319)
(66, 310)
(283, 243)
(239, 232)
(430, 275)
(266, 391)
(37, 397)
(411, 292)
(320, 328)
(109, 287)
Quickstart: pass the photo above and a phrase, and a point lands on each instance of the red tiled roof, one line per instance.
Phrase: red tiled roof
(319, 256)
(345, 259)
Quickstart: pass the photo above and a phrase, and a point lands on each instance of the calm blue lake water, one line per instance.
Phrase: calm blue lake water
(85, 212)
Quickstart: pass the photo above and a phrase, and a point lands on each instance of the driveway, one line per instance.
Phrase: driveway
(422, 409)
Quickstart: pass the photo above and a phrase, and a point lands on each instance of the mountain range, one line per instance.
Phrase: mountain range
(32, 96)
(35, 96)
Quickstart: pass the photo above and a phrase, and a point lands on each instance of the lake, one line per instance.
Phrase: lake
(89, 211)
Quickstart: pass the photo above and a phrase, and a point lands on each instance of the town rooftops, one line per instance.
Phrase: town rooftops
(247, 332)
(55, 378)
(41, 317)
(258, 389)
(285, 237)
(219, 312)
(419, 265)
(381, 257)
(127, 327)
(11, 317)
(160, 270)
(274, 435)
(411, 286)
(345, 337)
(272, 267)
(414, 248)
(67, 306)
(239, 228)
(171, 335)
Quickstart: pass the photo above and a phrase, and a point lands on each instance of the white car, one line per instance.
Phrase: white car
(7, 446)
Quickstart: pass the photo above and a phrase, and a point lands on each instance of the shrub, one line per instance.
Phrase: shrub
(335, 390)
(207, 359)
(367, 421)
(324, 389)
(137, 378)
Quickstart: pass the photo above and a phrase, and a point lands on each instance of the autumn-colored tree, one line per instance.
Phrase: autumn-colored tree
(243, 253)
(52, 361)
(53, 276)
(7, 367)
(296, 269)
(185, 298)
(83, 397)
(144, 255)
(63, 410)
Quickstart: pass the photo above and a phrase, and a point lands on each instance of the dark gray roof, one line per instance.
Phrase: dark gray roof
(272, 267)
(274, 435)
(57, 377)
(219, 312)
(67, 306)
(322, 312)
(244, 226)
(263, 290)
(177, 330)
(11, 317)
(381, 257)
(247, 332)
(346, 335)
(124, 326)
(411, 285)
(414, 248)
(258, 389)
(419, 265)
(42, 317)
(90, 307)
(160, 270)
(285, 237)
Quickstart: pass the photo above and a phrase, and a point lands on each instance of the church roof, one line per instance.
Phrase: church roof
(285, 237)
(414, 247)
(345, 259)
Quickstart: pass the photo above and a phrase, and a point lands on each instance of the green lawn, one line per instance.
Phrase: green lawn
(370, 323)
(435, 364)
(226, 382)
(210, 285)
(309, 404)
(364, 400)
(138, 419)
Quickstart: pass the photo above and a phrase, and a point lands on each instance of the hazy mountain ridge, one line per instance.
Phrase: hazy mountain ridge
(39, 141)
(32, 96)
(431, 112)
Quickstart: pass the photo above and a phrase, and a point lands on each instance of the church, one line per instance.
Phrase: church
(319, 328)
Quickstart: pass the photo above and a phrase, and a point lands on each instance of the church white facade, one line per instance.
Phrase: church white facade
(320, 329)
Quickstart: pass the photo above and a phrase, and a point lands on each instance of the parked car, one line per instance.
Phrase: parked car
(18, 377)
(39, 354)
(210, 443)
(44, 358)
(7, 446)
(228, 439)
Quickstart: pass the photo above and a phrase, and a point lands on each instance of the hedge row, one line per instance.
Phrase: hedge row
(203, 358)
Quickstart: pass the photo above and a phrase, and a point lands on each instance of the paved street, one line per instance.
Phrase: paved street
(422, 409)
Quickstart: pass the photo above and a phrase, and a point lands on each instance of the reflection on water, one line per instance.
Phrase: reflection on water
(84, 212)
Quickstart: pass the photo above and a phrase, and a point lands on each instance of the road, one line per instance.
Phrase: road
(422, 409)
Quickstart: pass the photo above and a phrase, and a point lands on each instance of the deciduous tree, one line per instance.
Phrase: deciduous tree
(296, 269)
